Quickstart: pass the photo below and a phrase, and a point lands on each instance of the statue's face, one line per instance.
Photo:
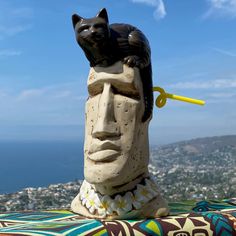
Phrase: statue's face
(116, 139)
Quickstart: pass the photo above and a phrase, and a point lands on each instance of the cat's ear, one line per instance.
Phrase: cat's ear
(103, 14)
(76, 19)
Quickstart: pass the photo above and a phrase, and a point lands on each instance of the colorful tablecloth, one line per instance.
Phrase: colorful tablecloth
(217, 218)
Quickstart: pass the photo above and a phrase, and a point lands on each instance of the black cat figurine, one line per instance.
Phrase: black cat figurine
(105, 44)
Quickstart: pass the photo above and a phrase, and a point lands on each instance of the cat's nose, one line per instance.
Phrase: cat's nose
(92, 30)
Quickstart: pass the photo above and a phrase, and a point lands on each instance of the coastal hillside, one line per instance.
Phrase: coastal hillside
(197, 169)
(203, 168)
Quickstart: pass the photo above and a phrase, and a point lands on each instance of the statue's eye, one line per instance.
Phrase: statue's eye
(131, 93)
(95, 89)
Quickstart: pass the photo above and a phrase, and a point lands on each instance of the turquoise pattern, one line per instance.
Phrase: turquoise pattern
(222, 225)
(205, 218)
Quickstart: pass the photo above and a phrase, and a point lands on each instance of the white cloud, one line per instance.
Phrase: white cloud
(222, 95)
(53, 92)
(9, 53)
(23, 12)
(30, 93)
(63, 94)
(213, 84)
(221, 8)
(224, 52)
(55, 104)
(160, 11)
(3, 93)
(42, 93)
(6, 31)
(14, 20)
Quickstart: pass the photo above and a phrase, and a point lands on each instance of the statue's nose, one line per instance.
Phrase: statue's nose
(106, 125)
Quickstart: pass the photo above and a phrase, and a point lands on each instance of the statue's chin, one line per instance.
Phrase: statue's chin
(107, 184)
(103, 178)
(108, 168)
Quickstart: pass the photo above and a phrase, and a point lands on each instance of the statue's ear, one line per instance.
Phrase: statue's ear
(76, 19)
(103, 14)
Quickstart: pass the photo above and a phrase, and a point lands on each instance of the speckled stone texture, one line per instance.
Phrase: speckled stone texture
(116, 150)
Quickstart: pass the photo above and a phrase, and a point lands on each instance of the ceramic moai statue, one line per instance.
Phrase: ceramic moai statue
(117, 183)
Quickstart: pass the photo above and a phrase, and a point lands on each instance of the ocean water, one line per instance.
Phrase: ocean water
(34, 164)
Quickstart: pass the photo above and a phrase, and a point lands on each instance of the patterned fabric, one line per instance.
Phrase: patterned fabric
(186, 219)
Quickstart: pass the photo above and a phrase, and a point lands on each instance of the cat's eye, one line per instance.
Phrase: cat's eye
(99, 25)
(83, 28)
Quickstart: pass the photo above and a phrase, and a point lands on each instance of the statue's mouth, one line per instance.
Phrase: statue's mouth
(107, 155)
(104, 145)
(103, 151)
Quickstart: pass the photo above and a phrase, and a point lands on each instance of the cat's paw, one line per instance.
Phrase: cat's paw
(133, 61)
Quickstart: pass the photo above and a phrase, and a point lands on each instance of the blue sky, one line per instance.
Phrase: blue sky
(43, 72)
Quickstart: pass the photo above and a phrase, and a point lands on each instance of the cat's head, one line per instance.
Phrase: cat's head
(91, 31)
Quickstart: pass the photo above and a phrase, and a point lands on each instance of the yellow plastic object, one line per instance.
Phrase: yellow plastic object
(162, 98)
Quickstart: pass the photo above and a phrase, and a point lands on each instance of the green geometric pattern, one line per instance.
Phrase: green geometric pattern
(205, 218)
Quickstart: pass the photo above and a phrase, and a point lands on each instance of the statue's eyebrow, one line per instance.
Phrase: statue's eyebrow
(119, 84)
